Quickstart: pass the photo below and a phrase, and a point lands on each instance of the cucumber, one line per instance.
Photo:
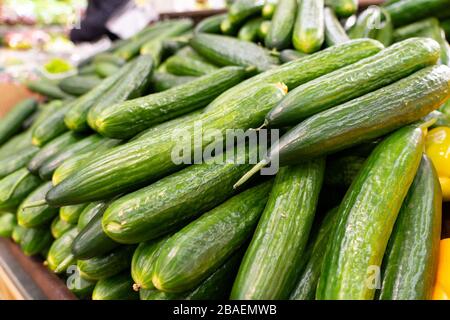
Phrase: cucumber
(366, 217)
(343, 8)
(210, 24)
(106, 266)
(249, 31)
(342, 170)
(363, 119)
(206, 243)
(79, 286)
(15, 188)
(334, 32)
(51, 149)
(280, 34)
(90, 212)
(37, 216)
(174, 44)
(269, 10)
(118, 287)
(155, 50)
(163, 81)
(47, 88)
(70, 214)
(17, 160)
(189, 53)
(60, 251)
(354, 81)
(87, 70)
(407, 11)
(78, 85)
(34, 240)
(410, 262)
(7, 224)
(148, 159)
(123, 120)
(264, 29)
(108, 58)
(175, 200)
(105, 69)
(228, 28)
(226, 51)
(445, 24)
(18, 233)
(182, 66)
(12, 122)
(309, 30)
(59, 227)
(271, 263)
(52, 126)
(241, 10)
(305, 288)
(15, 144)
(289, 55)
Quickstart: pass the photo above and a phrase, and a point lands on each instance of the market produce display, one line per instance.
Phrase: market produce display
(360, 99)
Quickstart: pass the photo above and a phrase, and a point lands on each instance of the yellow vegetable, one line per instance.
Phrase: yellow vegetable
(438, 149)
(442, 284)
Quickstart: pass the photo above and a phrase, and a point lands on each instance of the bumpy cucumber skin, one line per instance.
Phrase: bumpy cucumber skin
(343, 8)
(59, 227)
(309, 29)
(367, 216)
(7, 224)
(71, 214)
(271, 263)
(366, 118)
(206, 243)
(17, 160)
(410, 262)
(210, 24)
(60, 249)
(334, 32)
(16, 187)
(91, 210)
(118, 287)
(163, 81)
(404, 12)
(34, 240)
(188, 67)
(280, 33)
(12, 122)
(365, 76)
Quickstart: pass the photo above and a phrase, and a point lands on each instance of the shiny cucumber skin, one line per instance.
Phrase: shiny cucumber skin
(118, 287)
(78, 85)
(363, 77)
(366, 118)
(249, 31)
(79, 286)
(343, 8)
(38, 216)
(173, 201)
(226, 51)
(52, 126)
(15, 187)
(11, 123)
(147, 160)
(34, 240)
(181, 66)
(334, 32)
(410, 262)
(309, 29)
(7, 224)
(205, 244)
(51, 149)
(367, 215)
(271, 263)
(59, 227)
(91, 210)
(163, 81)
(60, 249)
(210, 24)
(280, 33)
(17, 160)
(71, 214)
(126, 119)
(106, 266)
(404, 12)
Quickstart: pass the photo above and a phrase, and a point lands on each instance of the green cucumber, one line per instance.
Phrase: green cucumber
(155, 50)
(210, 24)
(410, 261)
(445, 24)
(205, 244)
(18, 233)
(229, 28)
(105, 69)
(282, 26)
(78, 85)
(181, 66)
(37, 216)
(47, 88)
(118, 287)
(366, 24)
(12, 122)
(264, 29)
(367, 215)
(7, 224)
(90, 212)
(289, 55)
(87, 70)
(269, 9)
(334, 32)
(241, 10)
(189, 53)
(79, 286)
(226, 51)
(342, 170)
(123, 120)
(17, 160)
(249, 31)
(148, 159)
(34, 240)
(354, 81)
(53, 125)
(15, 144)
(60, 251)
(174, 44)
(271, 263)
(407, 11)
(59, 227)
(70, 214)
(163, 81)
(108, 58)
(343, 8)
(15, 188)
(309, 30)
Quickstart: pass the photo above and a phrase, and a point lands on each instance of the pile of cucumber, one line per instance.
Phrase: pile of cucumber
(87, 179)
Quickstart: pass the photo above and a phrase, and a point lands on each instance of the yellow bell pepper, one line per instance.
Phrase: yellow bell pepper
(442, 285)
(438, 149)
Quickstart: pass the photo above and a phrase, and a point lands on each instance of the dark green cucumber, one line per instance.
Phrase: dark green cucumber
(79, 286)
(78, 85)
(226, 51)
(118, 287)
(269, 9)
(309, 30)
(33, 241)
(181, 66)
(15, 188)
(289, 55)
(410, 261)
(51, 149)
(7, 224)
(59, 227)
(92, 240)
(148, 159)
(205, 244)
(305, 288)
(367, 215)
(123, 120)
(445, 24)
(229, 28)
(249, 31)
(60, 251)
(53, 125)
(37, 216)
(264, 29)
(18, 233)
(47, 88)
(343, 8)
(342, 170)
(407, 11)
(271, 263)
(334, 32)
(105, 69)
(70, 214)
(241, 10)
(280, 33)
(210, 24)
(17, 160)
(12, 122)
(355, 80)
(90, 212)
(163, 81)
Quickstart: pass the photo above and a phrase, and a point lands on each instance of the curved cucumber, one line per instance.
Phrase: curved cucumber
(16, 187)
(334, 32)
(343, 8)
(309, 29)
(60, 250)
(59, 227)
(70, 214)
(12, 122)
(280, 33)
(7, 224)
(118, 287)
(34, 241)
